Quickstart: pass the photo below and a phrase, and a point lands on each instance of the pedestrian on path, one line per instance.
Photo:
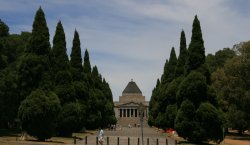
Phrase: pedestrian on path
(101, 137)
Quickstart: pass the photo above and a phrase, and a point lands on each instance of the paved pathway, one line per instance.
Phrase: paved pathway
(131, 134)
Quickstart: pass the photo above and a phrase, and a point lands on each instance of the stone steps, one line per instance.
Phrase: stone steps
(132, 121)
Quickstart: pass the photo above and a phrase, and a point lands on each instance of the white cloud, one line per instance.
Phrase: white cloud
(132, 39)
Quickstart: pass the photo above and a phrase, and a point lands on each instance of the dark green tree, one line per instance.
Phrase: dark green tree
(39, 43)
(4, 29)
(71, 118)
(168, 74)
(210, 121)
(167, 77)
(180, 67)
(170, 115)
(76, 59)
(63, 80)
(184, 121)
(219, 59)
(9, 100)
(12, 48)
(38, 113)
(86, 65)
(232, 83)
(153, 104)
(87, 68)
(59, 49)
(194, 88)
(3, 59)
(35, 70)
(196, 50)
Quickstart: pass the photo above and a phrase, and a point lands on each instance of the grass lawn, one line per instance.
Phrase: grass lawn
(13, 137)
(232, 138)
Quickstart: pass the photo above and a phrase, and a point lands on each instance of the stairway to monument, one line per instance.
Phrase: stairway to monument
(133, 121)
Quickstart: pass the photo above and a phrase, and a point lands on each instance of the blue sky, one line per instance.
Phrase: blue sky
(131, 39)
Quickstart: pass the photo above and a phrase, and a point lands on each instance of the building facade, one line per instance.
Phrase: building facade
(127, 108)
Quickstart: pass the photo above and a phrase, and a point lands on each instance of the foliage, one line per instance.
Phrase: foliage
(4, 29)
(180, 67)
(11, 48)
(76, 59)
(231, 83)
(38, 113)
(39, 43)
(196, 50)
(194, 88)
(168, 76)
(184, 121)
(219, 59)
(59, 50)
(184, 98)
(32, 72)
(211, 120)
(71, 118)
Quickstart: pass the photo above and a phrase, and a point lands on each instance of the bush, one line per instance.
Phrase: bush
(38, 114)
(71, 119)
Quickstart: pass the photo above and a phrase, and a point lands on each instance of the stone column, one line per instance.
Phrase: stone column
(124, 112)
(120, 110)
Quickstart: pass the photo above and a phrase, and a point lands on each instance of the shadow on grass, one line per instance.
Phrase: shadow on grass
(9, 132)
(236, 136)
(49, 141)
(190, 143)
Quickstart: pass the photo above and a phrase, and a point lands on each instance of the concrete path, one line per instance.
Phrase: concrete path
(131, 135)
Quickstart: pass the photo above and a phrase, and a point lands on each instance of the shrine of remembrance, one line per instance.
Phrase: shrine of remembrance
(126, 109)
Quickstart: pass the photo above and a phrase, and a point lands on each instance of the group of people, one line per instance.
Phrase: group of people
(112, 127)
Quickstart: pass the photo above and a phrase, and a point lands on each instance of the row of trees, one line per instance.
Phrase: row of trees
(184, 98)
(47, 91)
(232, 84)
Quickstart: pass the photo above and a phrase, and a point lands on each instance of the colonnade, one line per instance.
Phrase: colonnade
(132, 112)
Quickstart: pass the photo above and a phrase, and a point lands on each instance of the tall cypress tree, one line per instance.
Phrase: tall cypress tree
(76, 59)
(87, 69)
(180, 68)
(196, 50)
(153, 104)
(167, 78)
(59, 49)
(86, 65)
(35, 81)
(168, 74)
(40, 44)
(63, 80)
(165, 69)
(35, 67)
(194, 93)
(4, 29)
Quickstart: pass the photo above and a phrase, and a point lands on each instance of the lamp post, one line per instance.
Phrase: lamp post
(141, 110)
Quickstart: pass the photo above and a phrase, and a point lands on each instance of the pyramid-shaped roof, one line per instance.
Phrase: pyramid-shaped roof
(132, 88)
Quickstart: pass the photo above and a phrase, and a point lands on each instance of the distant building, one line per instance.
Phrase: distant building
(126, 109)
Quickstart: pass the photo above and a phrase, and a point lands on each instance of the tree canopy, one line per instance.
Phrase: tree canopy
(184, 99)
(44, 89)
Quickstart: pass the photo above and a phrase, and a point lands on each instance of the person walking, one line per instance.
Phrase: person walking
(101, 137)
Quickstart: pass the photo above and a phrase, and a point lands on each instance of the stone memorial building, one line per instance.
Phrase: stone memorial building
(126, 109)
